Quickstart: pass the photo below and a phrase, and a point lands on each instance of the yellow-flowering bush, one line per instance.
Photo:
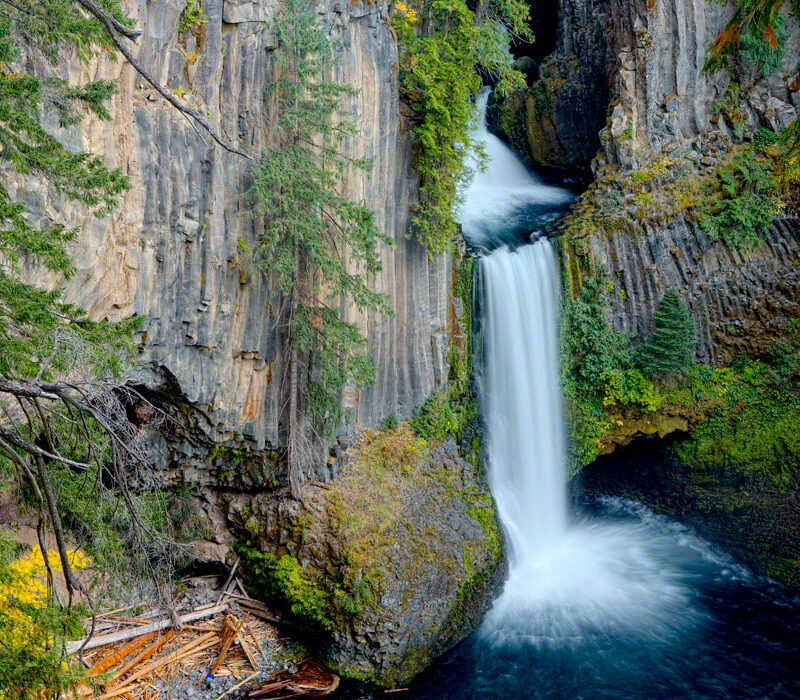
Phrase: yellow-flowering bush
(33, 627)
(409, 14)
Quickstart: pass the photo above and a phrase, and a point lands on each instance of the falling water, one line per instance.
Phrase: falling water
(525, 427)
(615, 602)
(505, 199)
(566, 579)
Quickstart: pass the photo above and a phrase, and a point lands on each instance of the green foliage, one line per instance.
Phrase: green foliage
(671, 347)
(33, 626)
(321, 246)
(764, 140)
(338, 352)
(783, 364)
(753, 432)
(389, 423)
(591, 352)
(308, 595)
(591, 349)
(744, 203)
(757, 31)
(438, 77)
(629, 387)
(192, 16)
(541, 100)
(284, 578)
(766, 53)
(31, 318)
(437, 418)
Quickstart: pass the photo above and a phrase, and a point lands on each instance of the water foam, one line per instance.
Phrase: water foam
(505, 197)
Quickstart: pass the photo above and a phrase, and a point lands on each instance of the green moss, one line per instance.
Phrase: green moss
(482, 510)
(286, 579)
(753, 430)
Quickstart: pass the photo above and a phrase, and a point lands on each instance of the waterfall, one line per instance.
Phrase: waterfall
(604, 599)
(505, 199)
(567, 577)
(524, 418)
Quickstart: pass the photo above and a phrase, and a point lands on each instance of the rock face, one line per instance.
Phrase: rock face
(555, 123)
(392, 564)
(178, 250)
(665, 113)
(740, 302)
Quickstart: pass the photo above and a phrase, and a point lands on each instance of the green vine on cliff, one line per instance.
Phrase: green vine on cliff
(443, 48)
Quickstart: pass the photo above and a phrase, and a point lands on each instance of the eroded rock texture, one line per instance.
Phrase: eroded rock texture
(663, 111)
(178, 250)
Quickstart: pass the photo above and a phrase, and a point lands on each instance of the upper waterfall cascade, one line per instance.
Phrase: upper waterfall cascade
(505, 198)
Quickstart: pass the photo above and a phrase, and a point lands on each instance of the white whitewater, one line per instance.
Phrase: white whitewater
(567, 580)
(506, 194)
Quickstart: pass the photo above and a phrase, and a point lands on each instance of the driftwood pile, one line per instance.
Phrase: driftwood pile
(141, 657)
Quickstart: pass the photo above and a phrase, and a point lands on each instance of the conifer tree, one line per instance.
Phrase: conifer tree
(322, 246)
(670, 349)
(62, 400)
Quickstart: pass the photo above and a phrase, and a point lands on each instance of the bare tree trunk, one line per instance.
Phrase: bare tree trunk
(295, 456)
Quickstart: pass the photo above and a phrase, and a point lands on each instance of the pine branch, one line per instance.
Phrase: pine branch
(107, 18)
(191, 114)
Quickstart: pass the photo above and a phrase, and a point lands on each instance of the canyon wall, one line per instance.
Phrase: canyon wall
(625, 93)
(178, 250)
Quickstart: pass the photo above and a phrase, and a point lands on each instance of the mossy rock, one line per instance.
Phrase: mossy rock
(392, 564)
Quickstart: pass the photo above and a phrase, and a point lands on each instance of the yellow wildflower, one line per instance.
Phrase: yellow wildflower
(408, 13)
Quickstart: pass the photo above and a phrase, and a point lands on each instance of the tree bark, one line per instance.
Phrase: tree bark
(295, 469)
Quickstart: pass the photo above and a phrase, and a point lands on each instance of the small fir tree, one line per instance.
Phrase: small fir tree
(322, 246)
(671, 347)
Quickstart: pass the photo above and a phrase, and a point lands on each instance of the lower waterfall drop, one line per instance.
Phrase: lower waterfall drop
(565, 579)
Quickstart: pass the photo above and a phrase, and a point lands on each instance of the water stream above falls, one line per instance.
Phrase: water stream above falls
(605, 599)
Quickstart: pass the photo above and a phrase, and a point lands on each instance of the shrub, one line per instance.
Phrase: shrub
(670, 349)
(590, 346)
(192, 16)
(745, 203)
(389, 423)
(783, 363)
(630, 387)
(33, 627)
(764, 139)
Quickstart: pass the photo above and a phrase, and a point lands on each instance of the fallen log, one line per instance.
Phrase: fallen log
(207, 640)
(227, 640)
(118, 655)
(122, 635)
(142, 656)
(312, 680)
